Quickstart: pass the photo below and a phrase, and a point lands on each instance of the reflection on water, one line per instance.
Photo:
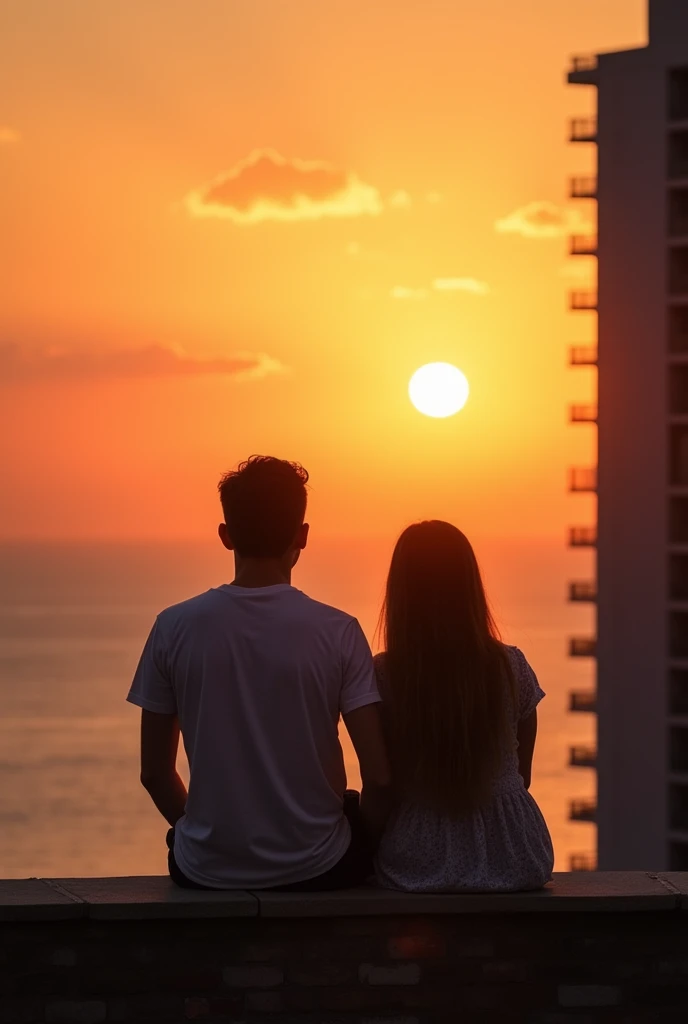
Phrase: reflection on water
(72, 623)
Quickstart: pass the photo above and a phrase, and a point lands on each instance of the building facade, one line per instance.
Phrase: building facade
(641, 304)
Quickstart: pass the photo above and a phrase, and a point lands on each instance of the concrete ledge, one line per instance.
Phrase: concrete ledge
(32, 899)
(151, 897)
(157, 898)
(612, 948)
(676, 881)
(596, 892)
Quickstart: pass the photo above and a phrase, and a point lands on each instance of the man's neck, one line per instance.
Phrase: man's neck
(260, 572)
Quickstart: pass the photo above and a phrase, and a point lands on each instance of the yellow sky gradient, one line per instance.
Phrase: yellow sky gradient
(148, 152)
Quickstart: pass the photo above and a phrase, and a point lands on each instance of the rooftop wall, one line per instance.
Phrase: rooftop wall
(668, 21)
(590, 948)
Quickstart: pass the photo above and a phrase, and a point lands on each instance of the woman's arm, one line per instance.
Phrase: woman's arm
(526, 733)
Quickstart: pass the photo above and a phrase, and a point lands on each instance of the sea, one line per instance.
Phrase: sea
(74, 617)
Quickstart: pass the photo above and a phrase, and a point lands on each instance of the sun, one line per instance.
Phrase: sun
(438, 390)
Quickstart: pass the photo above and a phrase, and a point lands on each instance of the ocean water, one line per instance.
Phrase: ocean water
(73, 619)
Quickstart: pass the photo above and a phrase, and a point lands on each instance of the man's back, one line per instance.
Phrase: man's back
(258, 677)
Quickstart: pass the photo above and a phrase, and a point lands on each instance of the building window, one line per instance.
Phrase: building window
(678, 94)
(678, 270)
(678, 856)
(678, 636)
(678, 520)
(678, 578)
(678, 389)
(678, 212)
(678, 155)
(678, 471)
(678, 329)
(678, 807)
(678, 691)
(678, 749)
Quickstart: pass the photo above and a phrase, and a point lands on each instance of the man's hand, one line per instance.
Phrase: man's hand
(365, 729)
(159, 776)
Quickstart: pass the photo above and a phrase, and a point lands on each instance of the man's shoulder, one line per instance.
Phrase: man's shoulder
(188, 609)
(327, 614)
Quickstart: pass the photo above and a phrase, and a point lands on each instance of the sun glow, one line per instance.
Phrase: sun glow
(438, 390)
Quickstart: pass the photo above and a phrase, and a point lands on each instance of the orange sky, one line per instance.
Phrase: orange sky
(148, 152)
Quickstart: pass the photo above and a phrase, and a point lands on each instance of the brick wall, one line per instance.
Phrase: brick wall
(553, 968)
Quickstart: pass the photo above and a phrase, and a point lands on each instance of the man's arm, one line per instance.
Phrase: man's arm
(364, 726)
(159, 776)
(526, 735)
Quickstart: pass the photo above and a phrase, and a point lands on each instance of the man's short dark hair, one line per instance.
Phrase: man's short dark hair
(264, 504)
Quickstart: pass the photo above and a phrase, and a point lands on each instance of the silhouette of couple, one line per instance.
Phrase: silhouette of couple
(256, 675)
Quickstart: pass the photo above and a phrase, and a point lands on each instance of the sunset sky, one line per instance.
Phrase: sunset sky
(167, 307)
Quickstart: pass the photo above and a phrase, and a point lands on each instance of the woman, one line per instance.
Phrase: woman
(460, 718)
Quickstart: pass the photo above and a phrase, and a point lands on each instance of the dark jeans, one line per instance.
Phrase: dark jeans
(353, 868)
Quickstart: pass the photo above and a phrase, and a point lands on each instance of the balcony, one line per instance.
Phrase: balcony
(583, 810)
(583, 590)
(583, 701)
(583, 187)
(583, 69)
(678, 213)
(584, 62)
(583, 245)
(582, 757)
(678, 329)
(583, 480)
(583, 300)
(678, 95)
(678, 155)
(678, 519)
(678, 455)
(678, 271)
(582, 536)
(582, 647)
(583, 129)
(583, 355)
(583, 414)
(582, 862)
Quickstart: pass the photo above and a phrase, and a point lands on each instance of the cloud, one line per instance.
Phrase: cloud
(359, 252)
(577, 270)
(19, 364)
(542, 220)
(461, 284)
(443, 284)
(400, 199)
(433, 197)
(414, 294)
(269, 187)
(8, 136)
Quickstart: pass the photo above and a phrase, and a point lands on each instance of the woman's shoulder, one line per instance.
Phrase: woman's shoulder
(379, 663)
(517, 658)
(529, 690)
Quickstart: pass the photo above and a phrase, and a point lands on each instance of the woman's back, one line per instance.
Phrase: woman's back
(502, 846)
(460, 720)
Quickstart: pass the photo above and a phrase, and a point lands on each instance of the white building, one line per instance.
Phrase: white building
(641, 134)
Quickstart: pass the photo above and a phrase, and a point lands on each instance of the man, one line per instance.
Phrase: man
(256, 675)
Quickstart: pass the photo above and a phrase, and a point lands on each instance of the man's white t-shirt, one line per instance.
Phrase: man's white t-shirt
(258, 678)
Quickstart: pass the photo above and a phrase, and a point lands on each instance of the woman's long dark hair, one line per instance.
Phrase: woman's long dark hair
(446, 676)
